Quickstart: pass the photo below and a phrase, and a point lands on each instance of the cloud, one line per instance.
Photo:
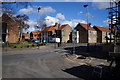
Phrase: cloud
(60, 16)
(30, 29)
(79, 21)
(80, 12)
(47, 10)
(31, 23)
(73, 22)
(28, 10)
(50, 20)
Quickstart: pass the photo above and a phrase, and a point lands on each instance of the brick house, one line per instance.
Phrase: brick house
(63, 32)
(25, 37)
(10, 29)
(49, 32)
(34, 35)
(102, 33)
(87, 34)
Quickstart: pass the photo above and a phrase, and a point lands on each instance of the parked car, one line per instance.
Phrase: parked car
(36, 41)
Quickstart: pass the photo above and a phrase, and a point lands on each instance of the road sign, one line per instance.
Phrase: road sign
(74, 30)
(118, 27)
(62, 35)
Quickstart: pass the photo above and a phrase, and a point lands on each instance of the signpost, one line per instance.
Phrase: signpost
(74, 38)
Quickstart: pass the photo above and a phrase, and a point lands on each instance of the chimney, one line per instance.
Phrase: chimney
(57, 25)
(89, 24)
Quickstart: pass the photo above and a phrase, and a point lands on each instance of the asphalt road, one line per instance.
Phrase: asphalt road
(33, 63)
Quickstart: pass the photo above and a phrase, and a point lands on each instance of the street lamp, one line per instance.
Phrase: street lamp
(39, 16)
(38, 25)
(39, 9)
(86, 6)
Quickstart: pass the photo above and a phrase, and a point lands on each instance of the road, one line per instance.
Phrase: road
(33, 63)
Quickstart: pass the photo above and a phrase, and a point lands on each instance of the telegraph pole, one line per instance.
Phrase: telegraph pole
(86, 6)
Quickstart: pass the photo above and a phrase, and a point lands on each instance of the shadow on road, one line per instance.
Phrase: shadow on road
(83, 71)
(94, 51)
(86, 73)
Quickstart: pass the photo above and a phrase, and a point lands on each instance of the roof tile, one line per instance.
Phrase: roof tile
(34, 32)
(87, 27)
(103, 29)
(48, 29)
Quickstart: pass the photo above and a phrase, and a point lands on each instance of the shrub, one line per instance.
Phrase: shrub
(24, 45)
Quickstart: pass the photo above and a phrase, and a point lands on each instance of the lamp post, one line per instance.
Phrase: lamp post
(86, 6)
(38, 25)
(39, 16)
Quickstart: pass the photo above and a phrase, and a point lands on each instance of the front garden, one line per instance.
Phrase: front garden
(22, 45)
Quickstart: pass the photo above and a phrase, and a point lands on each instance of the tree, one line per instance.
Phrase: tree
(7, 8)
(21, 19)
(11, 10)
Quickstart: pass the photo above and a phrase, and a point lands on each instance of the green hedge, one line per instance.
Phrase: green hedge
(24, 45)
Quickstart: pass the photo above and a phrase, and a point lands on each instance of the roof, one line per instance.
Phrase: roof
(34, 32)
(87, 27)
(24, 34)
(40, 32)
(6, 17)
(48, 29)
(103, 29)
(61, 27)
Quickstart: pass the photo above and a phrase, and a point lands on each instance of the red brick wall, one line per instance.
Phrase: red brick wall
(13, 31)
(12, 28)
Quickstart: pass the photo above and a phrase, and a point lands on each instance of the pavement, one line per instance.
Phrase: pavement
(86, 60)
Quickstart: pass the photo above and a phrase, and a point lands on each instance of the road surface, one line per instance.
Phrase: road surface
(33, 63)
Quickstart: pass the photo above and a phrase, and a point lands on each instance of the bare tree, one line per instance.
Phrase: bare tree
(21, 19)
(11, 10)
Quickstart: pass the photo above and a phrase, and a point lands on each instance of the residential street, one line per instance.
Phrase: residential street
(46, 39)
(35, 64)
(48, 62)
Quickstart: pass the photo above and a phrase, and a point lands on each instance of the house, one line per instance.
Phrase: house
(102, 33)
(87, 34)
(10, 29)
(63, 32)
(25, 37)
(34, 35)
(49, 32)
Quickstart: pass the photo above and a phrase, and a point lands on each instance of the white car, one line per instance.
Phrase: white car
(55, 40)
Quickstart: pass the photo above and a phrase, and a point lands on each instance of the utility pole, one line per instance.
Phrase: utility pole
(39, 17)
(38, 24)
(86, 6)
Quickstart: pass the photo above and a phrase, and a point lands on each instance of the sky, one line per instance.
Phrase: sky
(70, 13)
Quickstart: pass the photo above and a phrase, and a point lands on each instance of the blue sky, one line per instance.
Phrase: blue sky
(65, 13)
